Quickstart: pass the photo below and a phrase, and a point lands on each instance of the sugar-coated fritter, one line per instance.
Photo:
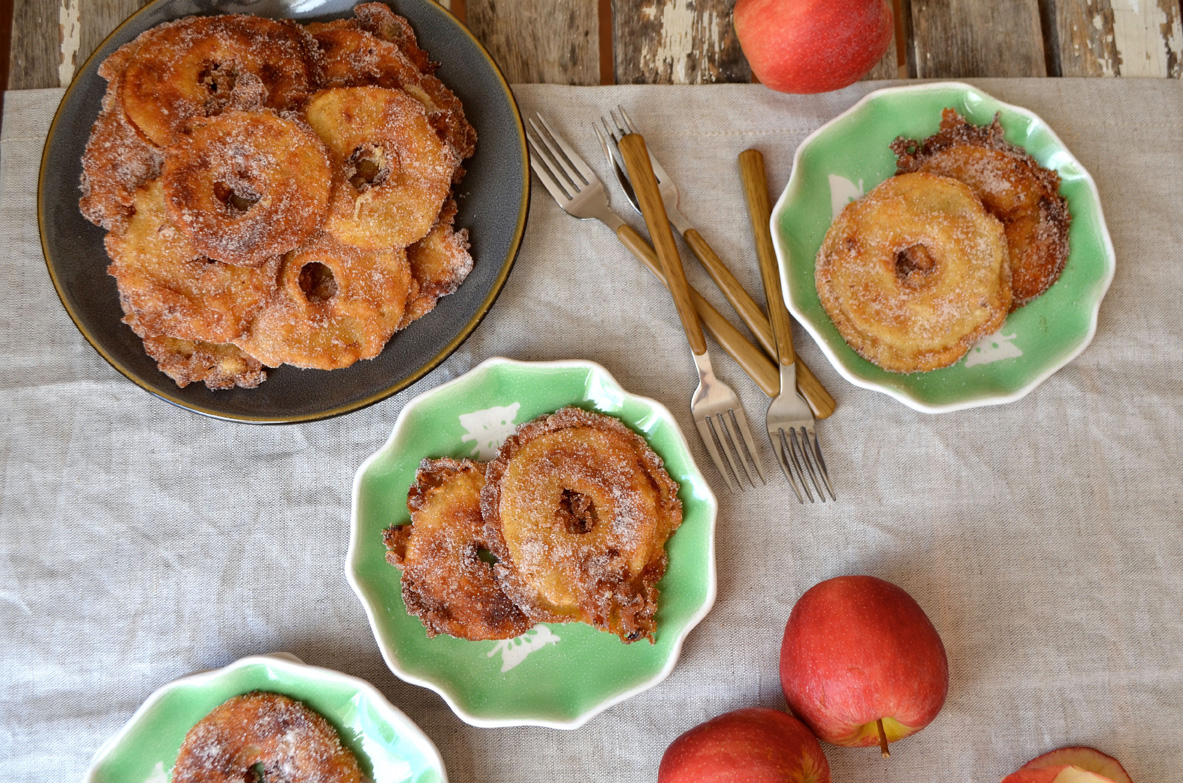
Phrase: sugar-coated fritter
(335, 304)
(580, 509)
(264, 736)
(914, 272)
(440, 262)
(172, 288)
(1011, 185)
(248, 186)
(393, 173)
(200, 66)
(445, 581)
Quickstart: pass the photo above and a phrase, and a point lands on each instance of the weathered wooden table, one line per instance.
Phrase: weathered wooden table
(692, 41)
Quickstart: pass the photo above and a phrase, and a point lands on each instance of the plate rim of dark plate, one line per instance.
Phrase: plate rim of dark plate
(371, 396)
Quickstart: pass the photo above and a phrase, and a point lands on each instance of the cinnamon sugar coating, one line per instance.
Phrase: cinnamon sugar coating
(914, 272)
(378, 48)
(287, 739)
(440, 262)
(579, 509)
(248, 186)
(1011, 185)
(175, 290)
(200, 66)
(118, 160)
(214, 187)
(445, 583)
(335, 304)
(392, 172)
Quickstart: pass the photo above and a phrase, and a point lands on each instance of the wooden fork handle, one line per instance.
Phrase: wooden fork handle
(640, 174)
(751, 359)
(755, 188)
(749, 311)
(753, 316)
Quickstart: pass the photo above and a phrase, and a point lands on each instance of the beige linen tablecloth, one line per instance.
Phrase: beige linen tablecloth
(140, 542)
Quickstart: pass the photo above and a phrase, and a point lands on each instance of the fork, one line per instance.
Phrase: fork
(579, 192)
(749, 311)
(715, 407)
(789, 421)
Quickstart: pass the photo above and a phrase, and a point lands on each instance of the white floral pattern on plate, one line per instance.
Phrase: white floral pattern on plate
(514, 651)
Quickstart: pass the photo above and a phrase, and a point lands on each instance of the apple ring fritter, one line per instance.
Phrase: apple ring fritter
(914, 272)
(264, 736)
(336, 304)
(580, 508)
(248, 186)
(445, 582)
(440, 262)
(1011, 185)
(200, 66)
(379, 49)
(118, 160)
(378, 19)
(217, 365)
(172, 288)
(394, 172)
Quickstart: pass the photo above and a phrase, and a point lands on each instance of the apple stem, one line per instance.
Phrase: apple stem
(882, 739)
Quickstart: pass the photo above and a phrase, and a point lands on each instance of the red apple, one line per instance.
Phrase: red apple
(1089, 759)
(859, 654)
(753, 745)
(1064, 773)
(806, 46)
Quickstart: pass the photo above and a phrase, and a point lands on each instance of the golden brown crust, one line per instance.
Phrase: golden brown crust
(392, 173)
(440, 262)
(379, 49)
(1011, 185)
(289, 740)
(335, 304)
(171, 288)
(377, 18)
(118, 160)
(914, 273)
(445, 583)
(579, 509)
(200, 66)
(210, 183)
(247, 186)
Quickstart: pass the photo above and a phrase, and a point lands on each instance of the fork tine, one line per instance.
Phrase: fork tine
(821, 466)
(620, 127)
(780, 445)
(816, 450)
(727, 445)
(749, 442)
(708, 438)
(734, 427)
(798, 455)
(628, 120)
(613, 156)
(610, 150)
(542, 169)
(548, 151)
(806, 452)
(658, 171)
(569, 152)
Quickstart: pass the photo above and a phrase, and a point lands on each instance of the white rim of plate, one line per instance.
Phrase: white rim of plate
(591, 712)
(815, 332)
(290, 663)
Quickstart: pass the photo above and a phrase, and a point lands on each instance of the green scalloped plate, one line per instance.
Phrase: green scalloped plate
(553, 675)
(849, 155)
(389, 747)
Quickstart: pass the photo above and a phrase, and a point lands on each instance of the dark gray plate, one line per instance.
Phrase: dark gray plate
(493, 200)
